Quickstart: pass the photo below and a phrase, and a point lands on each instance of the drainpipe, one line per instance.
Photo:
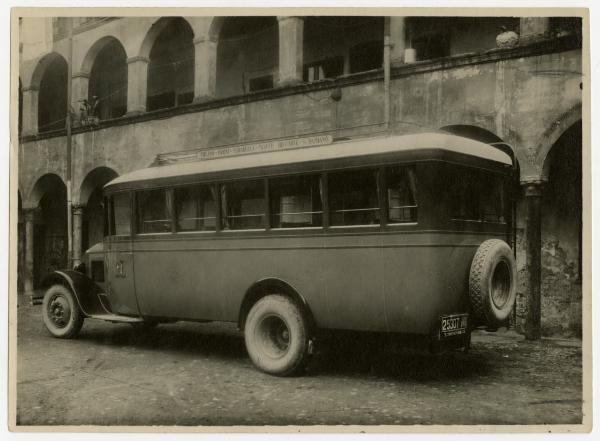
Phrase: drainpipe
(69, 160)
(386, 72)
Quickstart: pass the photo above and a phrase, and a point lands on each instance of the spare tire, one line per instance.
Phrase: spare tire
(492, 283)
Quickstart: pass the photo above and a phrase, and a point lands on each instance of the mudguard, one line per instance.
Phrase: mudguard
(86, 291)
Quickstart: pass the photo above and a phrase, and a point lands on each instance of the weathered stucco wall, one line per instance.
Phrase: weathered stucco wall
(527, 101)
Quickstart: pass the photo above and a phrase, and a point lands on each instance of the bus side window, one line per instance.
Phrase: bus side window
(153, 211)
(401, 192)
(120, 212)
(195, 208)
(353, 198)
(295, 202)
(243, 205)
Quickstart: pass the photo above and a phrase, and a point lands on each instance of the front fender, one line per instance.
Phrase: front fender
(86, 291)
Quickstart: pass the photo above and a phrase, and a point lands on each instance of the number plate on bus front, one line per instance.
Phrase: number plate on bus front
(455, 324)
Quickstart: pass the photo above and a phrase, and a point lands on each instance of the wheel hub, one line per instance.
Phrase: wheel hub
(59, 311)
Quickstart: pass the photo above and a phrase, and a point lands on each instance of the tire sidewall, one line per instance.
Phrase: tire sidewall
(489, 255)
(75, 320)
(286, 310)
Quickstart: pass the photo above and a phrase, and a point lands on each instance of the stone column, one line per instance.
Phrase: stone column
(30, 111)
(533, 269)
(532, 29)
(398, 39)
(205, 69)
(28, 281)
(80, 88)
(291, 31)
(77, 212)
(137, 84)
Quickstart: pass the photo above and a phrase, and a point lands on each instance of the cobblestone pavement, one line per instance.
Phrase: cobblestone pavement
(200, 374)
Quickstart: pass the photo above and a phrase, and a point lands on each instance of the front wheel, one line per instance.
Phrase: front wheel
(276, 335)
(61, 313)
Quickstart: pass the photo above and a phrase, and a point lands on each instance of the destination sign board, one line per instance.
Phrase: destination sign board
(244, 149)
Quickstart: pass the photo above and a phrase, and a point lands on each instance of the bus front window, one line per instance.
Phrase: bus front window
(120, 214)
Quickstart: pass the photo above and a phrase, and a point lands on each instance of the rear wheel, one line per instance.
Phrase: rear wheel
(492, 282)
(61, 313)
(276, 335)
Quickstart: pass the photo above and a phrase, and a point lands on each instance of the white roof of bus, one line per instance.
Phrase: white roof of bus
(340, 149)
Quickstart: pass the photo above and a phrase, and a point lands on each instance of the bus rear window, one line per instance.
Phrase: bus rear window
(401, 192)
(120, 214)
(353, 198)
(195, 208)
(296, 202)
(243, 205)
(476, 195)
(153, 211)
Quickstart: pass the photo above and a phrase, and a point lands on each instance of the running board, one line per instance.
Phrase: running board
(116, 318)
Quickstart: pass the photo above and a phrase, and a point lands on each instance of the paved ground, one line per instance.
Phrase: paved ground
(199, 374)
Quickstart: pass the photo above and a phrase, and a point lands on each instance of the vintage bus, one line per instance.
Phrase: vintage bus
(400, 234)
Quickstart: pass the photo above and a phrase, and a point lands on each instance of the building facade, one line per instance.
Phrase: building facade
(147, 85)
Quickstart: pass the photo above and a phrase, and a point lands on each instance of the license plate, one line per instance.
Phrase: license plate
(455, 324)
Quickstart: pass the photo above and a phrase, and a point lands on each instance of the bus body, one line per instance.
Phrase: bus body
(400, 234)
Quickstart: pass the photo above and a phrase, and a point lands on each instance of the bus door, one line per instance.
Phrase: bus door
(119, 257)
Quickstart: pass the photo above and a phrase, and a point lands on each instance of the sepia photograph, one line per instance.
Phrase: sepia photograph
(300, 220)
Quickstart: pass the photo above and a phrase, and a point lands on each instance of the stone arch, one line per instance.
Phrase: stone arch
(552, 135)
(106, 65)
(169, 49)
(154, 32)
(94, 179)
(247, 54)
(50, 79)
(43, 185)
(90, 197)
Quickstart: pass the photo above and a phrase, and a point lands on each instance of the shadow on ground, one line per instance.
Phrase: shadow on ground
(344, 354)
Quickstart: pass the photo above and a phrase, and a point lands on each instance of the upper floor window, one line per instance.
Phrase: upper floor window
(171, 69)
(296, 201)
(247, 55)
(353, 198)
(154, 211)
(108, 82)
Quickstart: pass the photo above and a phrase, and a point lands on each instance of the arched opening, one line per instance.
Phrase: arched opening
(561, 235)
(171, 69)
(50, 247)
(92, 197)
(335, 46)
(247, 55)
(52, 100)
(436, 37)
(108, 81)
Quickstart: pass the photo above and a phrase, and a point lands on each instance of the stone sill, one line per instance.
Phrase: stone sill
(554, 45)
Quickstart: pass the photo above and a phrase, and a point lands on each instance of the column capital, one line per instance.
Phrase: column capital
(78, 208)
(204, 39)
(532, 188)
(81, 74)
(31, 88)
(30, 213)
(138, 58)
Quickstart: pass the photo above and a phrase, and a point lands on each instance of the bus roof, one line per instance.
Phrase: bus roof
(411, 145)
